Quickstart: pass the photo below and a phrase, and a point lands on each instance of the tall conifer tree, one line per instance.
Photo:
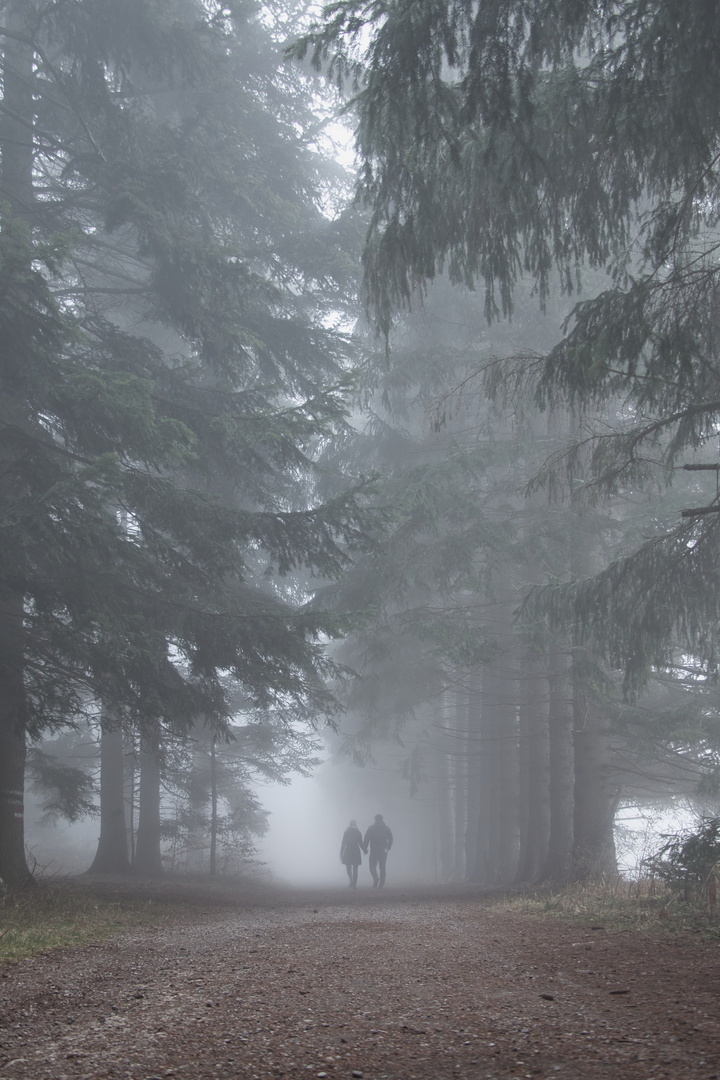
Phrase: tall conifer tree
(165, 375)
(498, 141)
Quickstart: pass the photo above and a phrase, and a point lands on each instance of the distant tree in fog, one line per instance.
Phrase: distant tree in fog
(210, 822)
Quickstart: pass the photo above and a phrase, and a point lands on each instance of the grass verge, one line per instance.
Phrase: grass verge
(84, 911)
(642, 905)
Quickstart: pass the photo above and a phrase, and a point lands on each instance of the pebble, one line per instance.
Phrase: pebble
(356, 1072)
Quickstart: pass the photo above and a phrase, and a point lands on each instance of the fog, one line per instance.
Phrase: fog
(309, 815)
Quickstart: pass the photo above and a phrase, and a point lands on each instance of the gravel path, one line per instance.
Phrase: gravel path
(390, 986)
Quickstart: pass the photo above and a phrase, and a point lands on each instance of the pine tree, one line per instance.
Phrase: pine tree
(166, 374)
(503, 142)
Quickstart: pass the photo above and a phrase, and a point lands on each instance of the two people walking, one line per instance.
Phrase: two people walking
(378, 841)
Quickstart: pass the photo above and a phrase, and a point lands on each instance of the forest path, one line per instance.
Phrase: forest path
(395, 985)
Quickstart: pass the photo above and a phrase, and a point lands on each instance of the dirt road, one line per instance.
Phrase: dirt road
(390, 986)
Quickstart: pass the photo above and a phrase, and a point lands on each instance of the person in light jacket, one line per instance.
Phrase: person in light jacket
(350, 848)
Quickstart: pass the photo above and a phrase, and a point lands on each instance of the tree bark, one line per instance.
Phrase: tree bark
(558, 866)
(474, 776)
(502, 771)
(461, 782)
(484, 865)
(535, 782)
(16, 150)
(112, 851)
(594, 800)
(444, 748)
(213, 809)
(13, 866)
(148, 859)
(498, 825)
(594, 854)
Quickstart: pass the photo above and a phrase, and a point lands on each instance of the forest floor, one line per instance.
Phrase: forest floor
(403, 984)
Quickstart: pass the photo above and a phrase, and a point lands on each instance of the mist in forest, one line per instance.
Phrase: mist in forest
(308, 817)
(312, 510)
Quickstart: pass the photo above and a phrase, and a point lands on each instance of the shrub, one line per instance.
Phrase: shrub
(689, 859)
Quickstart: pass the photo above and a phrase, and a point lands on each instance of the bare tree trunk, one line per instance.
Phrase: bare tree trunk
(524, 729)
(562, 768)
(498, 823)
(501, 697)
(461, 782)
(534, 732)
(595, 799)
(444, 787)
(16, 144)
(111, 856)
(474, 775)
(13, 866)
(213, 809)
(483, 858)
(501, 777)
(130, 793)
(148, 859)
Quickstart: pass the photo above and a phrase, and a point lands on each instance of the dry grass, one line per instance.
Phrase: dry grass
(54, 916)
(642, 905)
(82, 911)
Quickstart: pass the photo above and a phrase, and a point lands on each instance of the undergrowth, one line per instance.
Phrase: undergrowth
(644, 904)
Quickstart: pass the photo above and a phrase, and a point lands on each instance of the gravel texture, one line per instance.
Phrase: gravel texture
(396, 985)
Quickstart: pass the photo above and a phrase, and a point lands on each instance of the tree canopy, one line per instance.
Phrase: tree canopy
(541, 141)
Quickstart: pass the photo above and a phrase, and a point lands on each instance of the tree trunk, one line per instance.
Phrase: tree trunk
(524, 729)
(562, 769)
(213, 809)
(502, 777)
(112, 851)
(148, 860)
(474, 775)
(498, 823)
(534, 732)
(595, 800)
(502, 697)
(461, 781)
(16, 145)
(130, 795)
(13, 867)
(485, 800)
(443, 748)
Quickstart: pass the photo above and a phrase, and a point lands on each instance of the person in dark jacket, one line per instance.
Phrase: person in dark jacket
(352, 843)
(379, 839)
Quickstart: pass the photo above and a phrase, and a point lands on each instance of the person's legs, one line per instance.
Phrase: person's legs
(353, 876)
(382, 860)
(373, 867)
(349, 869)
